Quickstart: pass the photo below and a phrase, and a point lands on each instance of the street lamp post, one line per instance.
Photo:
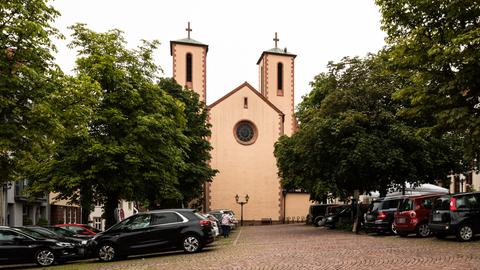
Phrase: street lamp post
(237, 199)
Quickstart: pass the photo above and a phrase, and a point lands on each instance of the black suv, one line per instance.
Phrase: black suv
(457, 214)
(20, 246)
(380, 215)
(152, 232)
(317, 213)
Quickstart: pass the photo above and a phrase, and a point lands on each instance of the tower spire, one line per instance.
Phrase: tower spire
(188, 30)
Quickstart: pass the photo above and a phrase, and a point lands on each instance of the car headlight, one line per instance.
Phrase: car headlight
(63, 244)
(84, 242)
(329, 218)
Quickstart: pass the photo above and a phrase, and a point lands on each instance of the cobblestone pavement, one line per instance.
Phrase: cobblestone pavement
(297, 246)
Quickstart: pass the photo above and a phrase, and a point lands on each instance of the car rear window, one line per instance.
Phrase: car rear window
(390, 204)
(442, 203)
(406, 205)
(374, 206)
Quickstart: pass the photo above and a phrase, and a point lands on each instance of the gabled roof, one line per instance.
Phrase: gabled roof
(276, 51)
(246, 84)
(187, 41)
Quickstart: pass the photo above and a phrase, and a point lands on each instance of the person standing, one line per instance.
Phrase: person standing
(226, 221)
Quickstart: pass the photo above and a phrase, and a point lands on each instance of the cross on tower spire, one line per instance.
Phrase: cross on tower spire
(276, 40)
(188, 29)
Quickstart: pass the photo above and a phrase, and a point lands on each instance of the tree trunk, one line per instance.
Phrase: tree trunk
(110, 205)
(355, 210)
(86, 203)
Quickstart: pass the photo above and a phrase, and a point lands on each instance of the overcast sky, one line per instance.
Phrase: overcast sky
(237, 32)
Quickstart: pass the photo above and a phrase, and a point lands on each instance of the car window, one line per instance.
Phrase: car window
(95, 230)
(76, 229)
(427, 203)
(405, 205)
(472, 201)
(442, 203)
(8, 235)
(461, 202)
(138, 222)
(390, 204)
(165, 218)
(374, 206)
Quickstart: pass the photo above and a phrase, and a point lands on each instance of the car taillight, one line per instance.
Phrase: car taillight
(412, 214)
(381, 216)
(205, 222)
(453, 204)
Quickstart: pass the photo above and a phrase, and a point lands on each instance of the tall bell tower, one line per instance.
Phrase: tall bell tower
(276, 76)
(190, 64)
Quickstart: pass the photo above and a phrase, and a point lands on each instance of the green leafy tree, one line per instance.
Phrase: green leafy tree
(28, 76)
(196, 172)
(350, 137)
(132, 144)
(436, 45)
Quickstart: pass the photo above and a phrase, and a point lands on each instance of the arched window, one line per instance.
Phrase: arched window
(280, 79)
(189, 67)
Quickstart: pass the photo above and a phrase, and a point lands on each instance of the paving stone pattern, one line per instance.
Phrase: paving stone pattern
(297, 246)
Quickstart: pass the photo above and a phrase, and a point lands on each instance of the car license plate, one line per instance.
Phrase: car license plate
(437, 218)
(370, 217)
(400, 220)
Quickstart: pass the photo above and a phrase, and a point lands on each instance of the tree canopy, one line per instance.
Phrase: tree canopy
(133, 144)
(436, 45)
(350, 137)
(28, 76)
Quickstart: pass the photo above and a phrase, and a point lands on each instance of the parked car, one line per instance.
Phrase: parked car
(336, 213)
(217, 213)
(79, 244)
(152, 232)
(79, 229)
(17, 246)
(413, 213)
(316, 214)
(216, 227)
(456, 214)
(380, 215)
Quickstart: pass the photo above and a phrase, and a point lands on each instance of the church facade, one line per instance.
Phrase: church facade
(246, 123)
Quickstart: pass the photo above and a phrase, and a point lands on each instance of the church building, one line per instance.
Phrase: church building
(246, 123)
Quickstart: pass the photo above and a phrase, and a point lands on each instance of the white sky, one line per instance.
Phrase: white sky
(237, 32)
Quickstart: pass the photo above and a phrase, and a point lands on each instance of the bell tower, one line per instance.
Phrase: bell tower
(276, 76)
(190, 64)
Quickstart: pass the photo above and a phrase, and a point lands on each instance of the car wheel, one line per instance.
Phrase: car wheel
(44, 257)
(393, 228)
(423, 230)
(465, 232)
(191, 243)
(107, 252)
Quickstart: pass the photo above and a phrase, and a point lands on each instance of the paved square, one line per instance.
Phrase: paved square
(297, 246)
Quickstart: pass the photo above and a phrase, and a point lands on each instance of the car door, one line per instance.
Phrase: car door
(15, 246)
(132, 238)
(165, 230)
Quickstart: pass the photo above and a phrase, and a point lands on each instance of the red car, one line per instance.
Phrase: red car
(79, 229)
(413, 213)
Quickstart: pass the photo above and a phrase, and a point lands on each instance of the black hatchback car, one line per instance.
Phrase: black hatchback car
(457, 214)
(19, 247)
(152, 232)
(380, 215)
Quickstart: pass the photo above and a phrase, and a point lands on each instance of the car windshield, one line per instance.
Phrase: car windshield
(390, 204)
(406, 205)
(95, 230)
(62, 231)
(33, 233)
